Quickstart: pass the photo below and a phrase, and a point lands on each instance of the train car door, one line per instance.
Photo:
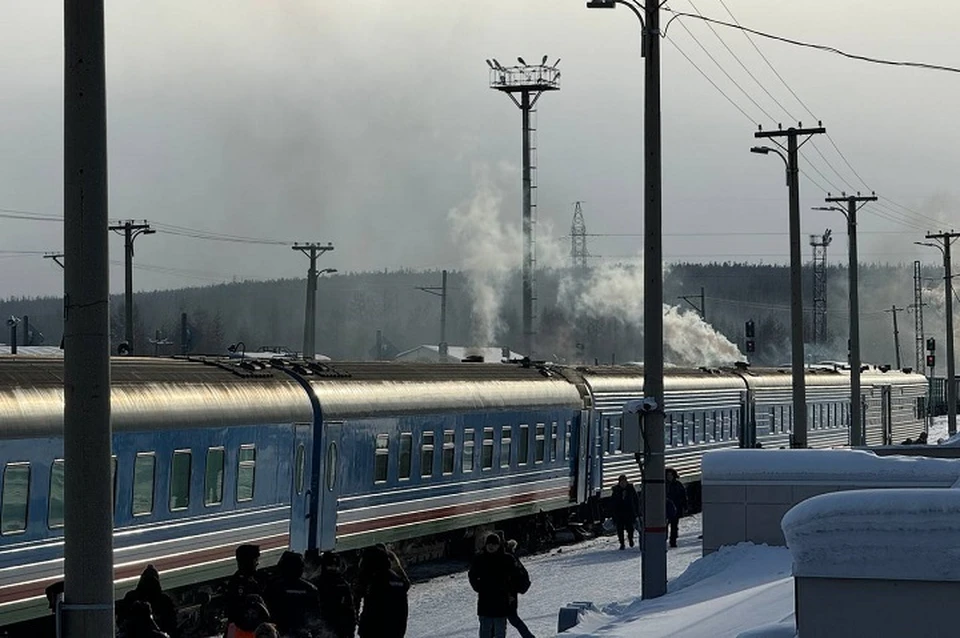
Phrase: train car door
(886, 414)
(582, 452)
(302, 494)
(329, 488)
(748, 421)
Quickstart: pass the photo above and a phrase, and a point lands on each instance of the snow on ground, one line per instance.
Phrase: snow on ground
(938, 430)
(734, 590)
(595, 570)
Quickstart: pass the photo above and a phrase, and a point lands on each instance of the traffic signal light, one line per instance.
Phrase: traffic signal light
(931, 344)
(931, 360)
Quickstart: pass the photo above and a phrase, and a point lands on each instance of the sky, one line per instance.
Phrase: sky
(365, 123)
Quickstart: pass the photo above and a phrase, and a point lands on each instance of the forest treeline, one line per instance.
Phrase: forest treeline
(353, 307)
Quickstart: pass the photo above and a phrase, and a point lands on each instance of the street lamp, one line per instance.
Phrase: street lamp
(948, 295)
(654, 565)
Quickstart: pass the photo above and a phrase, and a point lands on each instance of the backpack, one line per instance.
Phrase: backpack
(523, 578)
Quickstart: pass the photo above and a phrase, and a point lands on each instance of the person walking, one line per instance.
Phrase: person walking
(626, 508)
(494, 576)
(677, 496)
(521, 586)
(382, 592)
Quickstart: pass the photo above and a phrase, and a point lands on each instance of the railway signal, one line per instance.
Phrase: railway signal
(749, 330)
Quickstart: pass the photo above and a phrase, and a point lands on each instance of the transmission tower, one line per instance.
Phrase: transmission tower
(578, 239)
(820, 243)
(920, 361)
(529, 81)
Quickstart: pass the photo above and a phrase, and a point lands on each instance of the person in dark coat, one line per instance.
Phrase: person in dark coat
(676, 496)
(292, 601)
(494, 576)
(626, 508)
(337, 611)
(521, 585)
(382, 592)
(140, 623)
(244, 597)
(148, 590)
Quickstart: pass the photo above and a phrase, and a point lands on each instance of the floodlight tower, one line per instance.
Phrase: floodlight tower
(819, 244)
(530, 81)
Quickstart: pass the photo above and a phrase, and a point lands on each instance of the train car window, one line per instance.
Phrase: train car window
(486, 451)
(468, 444)
(333, 460)
(299, 467)
(523, 445)
(381, 458)
(449, 452)
(406, 455)
(506, 446)
(180, 480)
(426, 454)
(55, 497)
(539, 443)
(607, 435)
(566, 443)
(246, 472)
(554, 442)
(213, 480)
(144, 470)
(15, 497)
(618, 434)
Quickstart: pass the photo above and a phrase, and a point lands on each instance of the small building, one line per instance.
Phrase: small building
(456, 354)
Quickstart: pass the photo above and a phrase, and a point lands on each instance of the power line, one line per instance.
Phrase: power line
(707, 78)
(811, 45)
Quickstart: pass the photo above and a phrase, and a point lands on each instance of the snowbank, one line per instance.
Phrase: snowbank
(890, 534)
(785, 629)
(834, 466)
(723, 594)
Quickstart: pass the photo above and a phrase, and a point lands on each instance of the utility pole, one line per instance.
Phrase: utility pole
(799, 438)
(440, 291)
(130, 230)
(87, 610)
(312, 251)
(944, 241)
(702, 308)
(896, 333)
(917, 308)
(854, 204)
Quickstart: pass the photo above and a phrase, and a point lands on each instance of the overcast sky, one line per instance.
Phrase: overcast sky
(364, 123)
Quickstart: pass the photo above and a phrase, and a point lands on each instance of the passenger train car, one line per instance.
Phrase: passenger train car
(211, 453)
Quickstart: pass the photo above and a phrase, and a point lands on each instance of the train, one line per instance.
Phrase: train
(212, 452)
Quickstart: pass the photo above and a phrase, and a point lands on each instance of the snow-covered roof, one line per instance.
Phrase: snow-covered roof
(895, 534)
(456, 354)
(858, 467)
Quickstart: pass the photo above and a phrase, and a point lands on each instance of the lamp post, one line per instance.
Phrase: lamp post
(799, 437)
(857, 437)
(654, 565)
(948, 294)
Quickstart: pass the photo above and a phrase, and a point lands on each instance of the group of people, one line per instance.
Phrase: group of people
(626, 510)
(325, 605)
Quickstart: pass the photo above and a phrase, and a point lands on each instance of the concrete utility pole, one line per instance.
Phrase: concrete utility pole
(440, 291)
(896, 333)
(702, 308)
(654, 564)
(130, 231)
(87, 609)
(854, 204)
(944, 240)
(312, 250)
(799, 437)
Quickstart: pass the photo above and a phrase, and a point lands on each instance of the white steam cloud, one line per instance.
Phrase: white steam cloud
(616, 291)
(490, 251)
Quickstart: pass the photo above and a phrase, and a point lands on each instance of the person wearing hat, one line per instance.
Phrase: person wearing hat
(292, 600)
(337, 611)
(626, 508)
(161, 606)
(244, 598)
(382, 593)
(495, 577)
